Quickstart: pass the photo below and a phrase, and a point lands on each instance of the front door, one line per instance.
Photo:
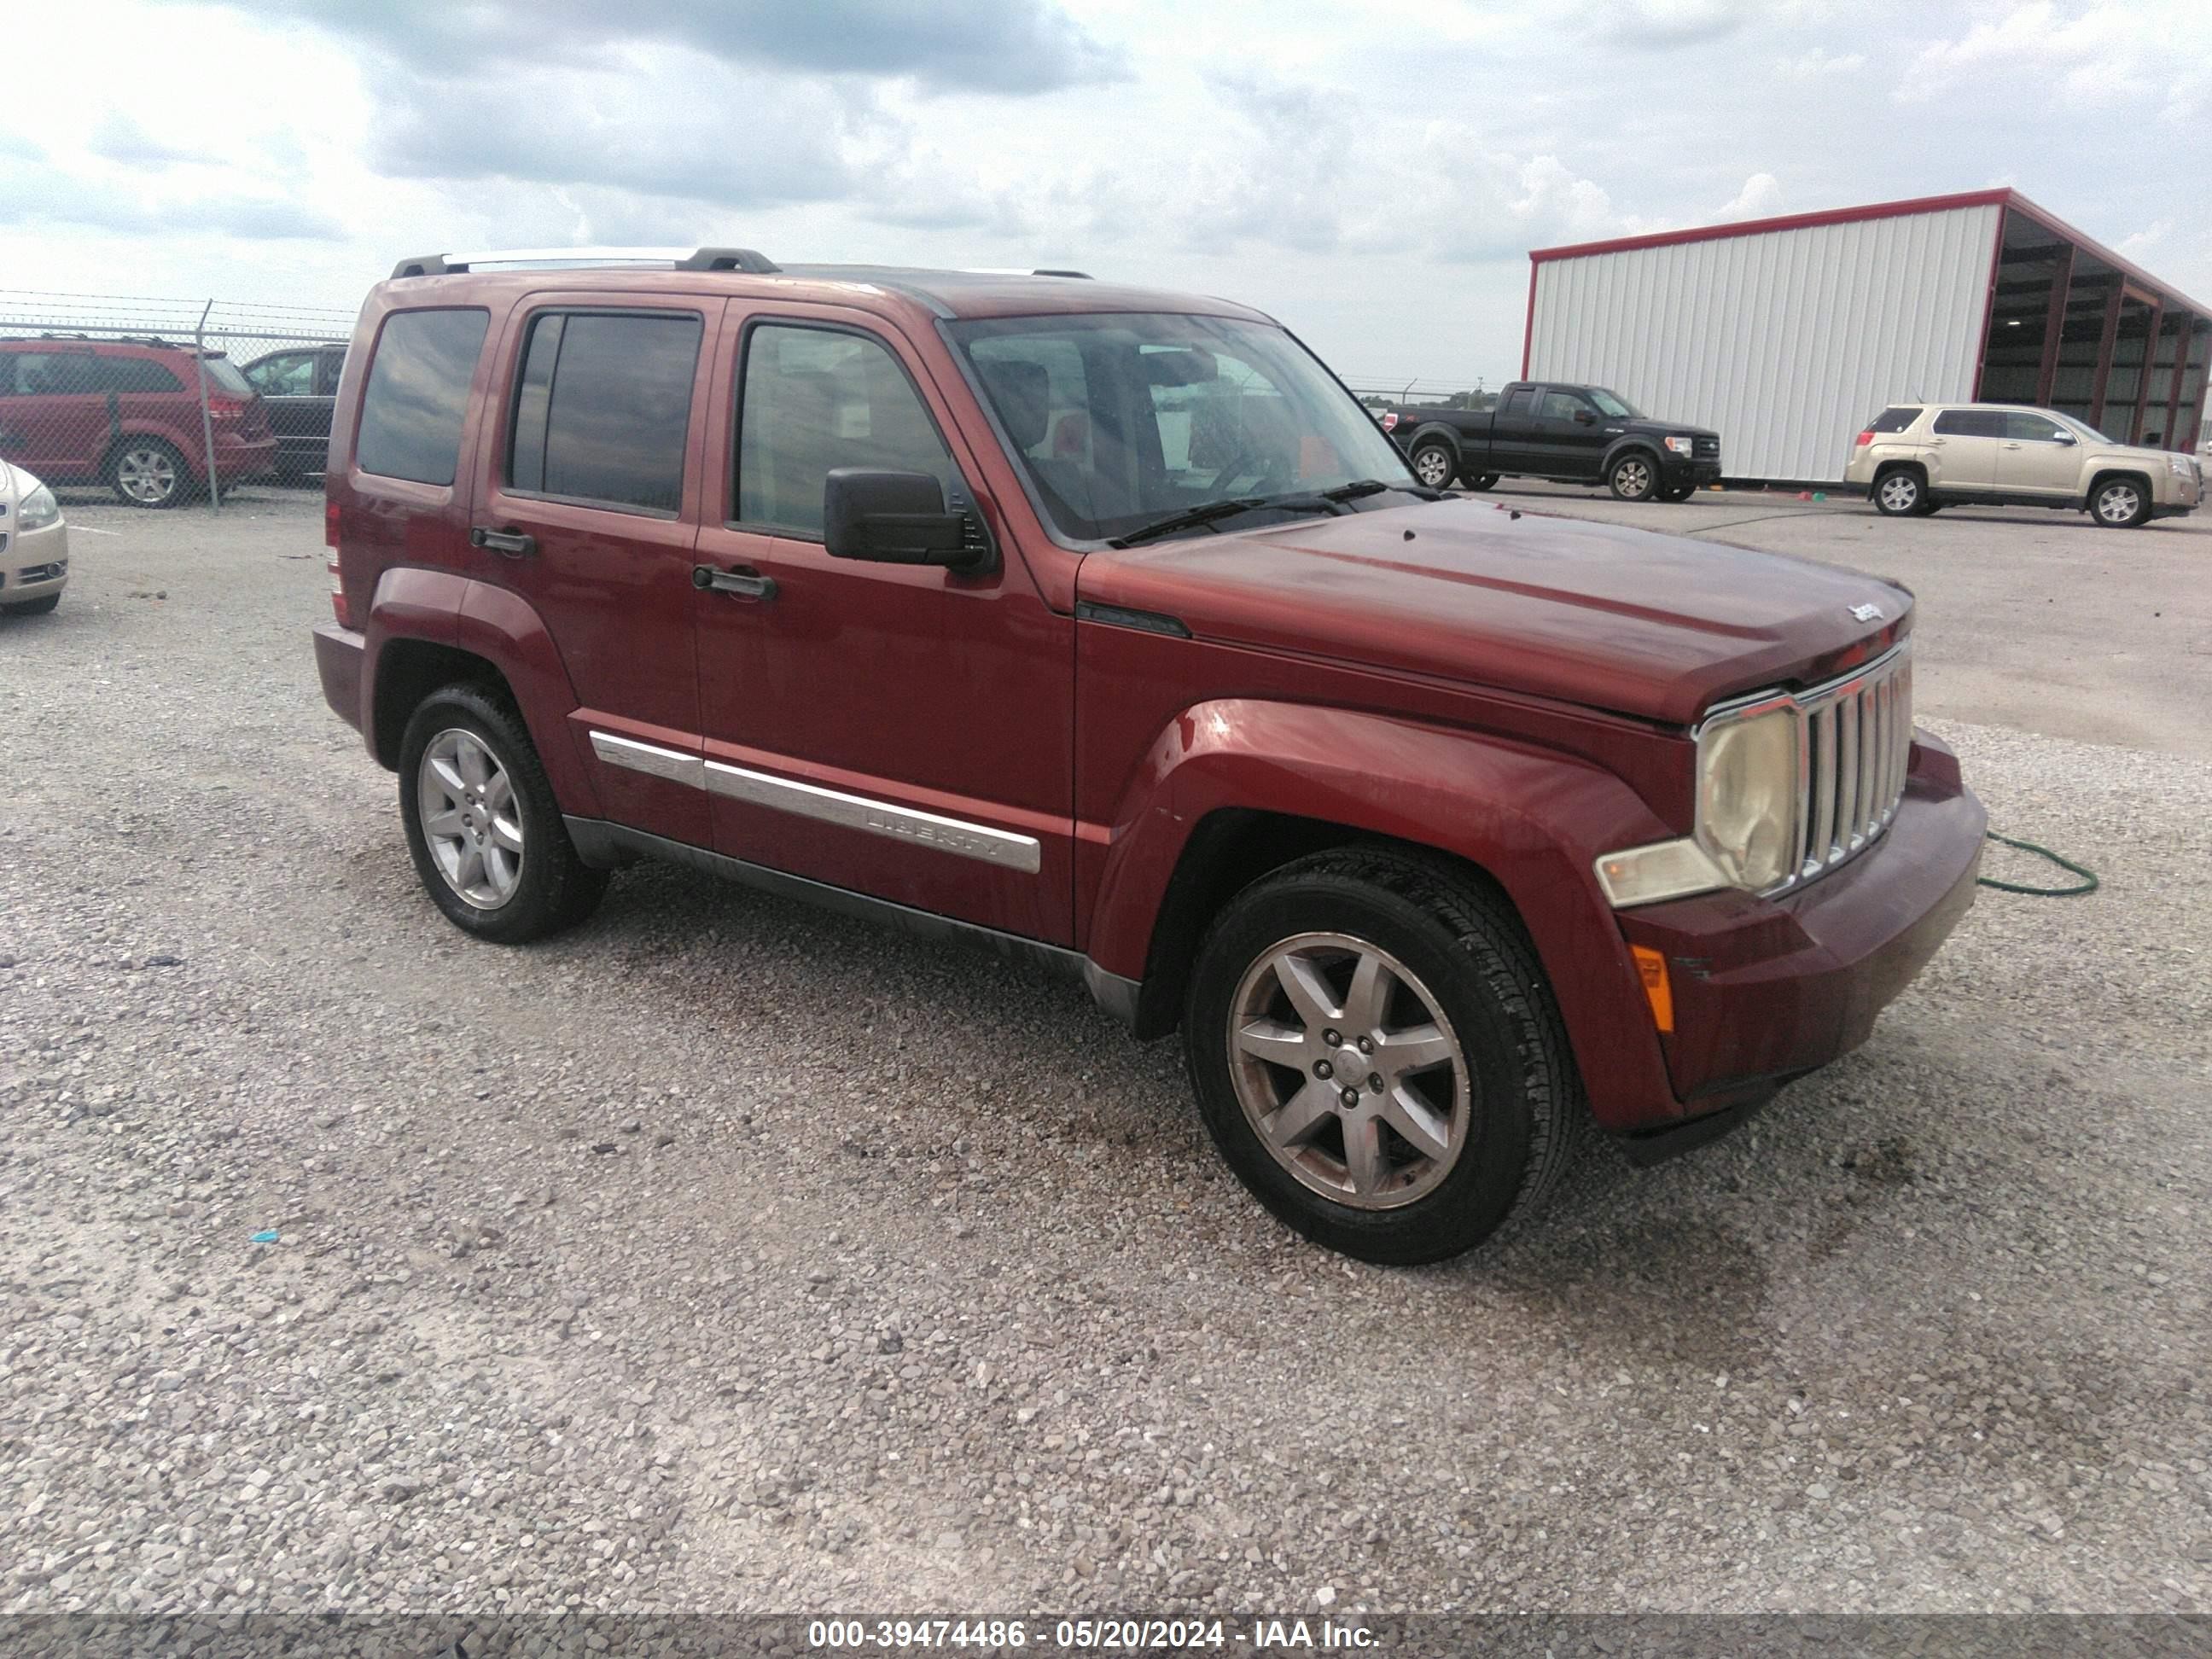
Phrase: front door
(1962, 450)
(2037, 457)
(903, 730)
(588, 510)
(1573, 436)
(55, 421)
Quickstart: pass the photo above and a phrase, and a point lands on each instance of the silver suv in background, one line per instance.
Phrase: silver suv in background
(1913, 458)
(34, 545)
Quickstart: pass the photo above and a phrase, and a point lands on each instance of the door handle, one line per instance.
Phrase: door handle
(744, 583)
(2012, 446)
(1936, 443)
(513, 543)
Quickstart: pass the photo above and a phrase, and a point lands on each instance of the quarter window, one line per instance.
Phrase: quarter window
(602, 408)
(817, 399)
(1894, 420)
(418, 392)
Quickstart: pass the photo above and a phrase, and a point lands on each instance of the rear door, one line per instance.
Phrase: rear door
(1962, 450)
(2037, 457)
(587, 508)
(1513, 447)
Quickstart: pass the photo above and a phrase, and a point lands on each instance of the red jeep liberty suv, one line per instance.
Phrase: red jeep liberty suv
(1106, 627)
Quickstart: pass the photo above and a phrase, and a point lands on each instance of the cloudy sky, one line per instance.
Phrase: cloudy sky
(1373, 173)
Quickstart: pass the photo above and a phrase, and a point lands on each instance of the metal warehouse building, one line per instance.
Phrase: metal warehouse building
(1787, 334)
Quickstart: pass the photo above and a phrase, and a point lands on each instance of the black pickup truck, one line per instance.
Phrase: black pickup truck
(1572, 434)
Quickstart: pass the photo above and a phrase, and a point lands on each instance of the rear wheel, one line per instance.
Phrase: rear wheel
(1434, 464)
(482, 824)
(149, 472)
(31, 607)
(1633, 478)
(2120, 503)
(1901, 494)
(1376, 1056)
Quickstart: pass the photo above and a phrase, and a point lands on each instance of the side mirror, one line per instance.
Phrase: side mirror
(2066, 438)
(1585, 417)
(892, 517)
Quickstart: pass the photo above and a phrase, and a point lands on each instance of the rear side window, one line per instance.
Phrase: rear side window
(134, 374)
(602, 407)
(1894, 420)
(418, 392)
(1520, 403)
(1971, 423)
(54, 373)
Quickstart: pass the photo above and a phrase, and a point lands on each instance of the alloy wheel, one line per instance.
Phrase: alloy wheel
(148, 476)
(1433, 468)
(470, 819)
(1899, 493)
(2117, 504)
(1632, 478)
(1348, 1071)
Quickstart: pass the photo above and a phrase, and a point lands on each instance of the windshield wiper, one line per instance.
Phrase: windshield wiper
(1359, 487)
(1224, 509)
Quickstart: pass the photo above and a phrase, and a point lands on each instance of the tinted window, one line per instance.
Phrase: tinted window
(816, 399)
(1559, 406)
(1894, 420)
(2031, 429)
(1520, 403)
(291, 375)
(54, 373)
(1971, 423)
(418, 391)
(602, 407)
(134, 374)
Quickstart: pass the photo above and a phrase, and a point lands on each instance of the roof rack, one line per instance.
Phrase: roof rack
(1021, 270)
(683, 258)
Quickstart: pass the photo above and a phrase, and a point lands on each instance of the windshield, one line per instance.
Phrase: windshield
(1122, 419)
(1610, 403)
(2082, 426)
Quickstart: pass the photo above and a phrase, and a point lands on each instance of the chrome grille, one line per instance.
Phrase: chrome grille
(1854, 742)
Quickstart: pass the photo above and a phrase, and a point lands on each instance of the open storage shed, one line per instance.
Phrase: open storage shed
(1786, 335)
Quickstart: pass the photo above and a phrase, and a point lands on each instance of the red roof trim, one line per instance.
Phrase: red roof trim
(2006, 197)
(1529, 327)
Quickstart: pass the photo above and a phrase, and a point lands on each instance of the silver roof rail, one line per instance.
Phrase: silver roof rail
(682, 258)
(1019, 270)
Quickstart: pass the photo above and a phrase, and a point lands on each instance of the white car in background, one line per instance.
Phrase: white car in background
(34, 545)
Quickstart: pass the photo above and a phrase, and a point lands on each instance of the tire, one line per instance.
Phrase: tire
(149, 472)
(527, 882)
(1434, 463)
(1901, 494)
(31, 607)
(1680, 493)
(1497, 1118)
(2120, 504)
(1483, 480)
(1633, 478)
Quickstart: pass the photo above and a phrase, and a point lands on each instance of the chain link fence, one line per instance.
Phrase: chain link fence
(1382, 393)
(163, 403)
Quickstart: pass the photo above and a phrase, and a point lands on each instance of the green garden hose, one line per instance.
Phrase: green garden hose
(2089, 876)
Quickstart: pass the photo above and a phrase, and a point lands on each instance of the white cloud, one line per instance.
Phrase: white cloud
(1811, 66)
(1759, 198)
(2155, 54)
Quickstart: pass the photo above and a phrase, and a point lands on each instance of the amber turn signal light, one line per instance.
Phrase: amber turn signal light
(1652, 968)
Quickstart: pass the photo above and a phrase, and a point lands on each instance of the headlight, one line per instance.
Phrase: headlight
(1748, 796)
(1682, 446)
(1746, 816)
(37, 510)
(2180, 465)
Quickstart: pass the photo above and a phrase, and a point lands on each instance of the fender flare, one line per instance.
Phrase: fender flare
(443, 608)
(1452, 436)
(1532, 819)
(1621, 446)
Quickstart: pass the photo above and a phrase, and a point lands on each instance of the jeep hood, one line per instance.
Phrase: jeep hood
(1653, 626)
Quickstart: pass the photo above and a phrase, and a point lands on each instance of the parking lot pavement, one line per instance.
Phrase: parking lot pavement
(726, 1254)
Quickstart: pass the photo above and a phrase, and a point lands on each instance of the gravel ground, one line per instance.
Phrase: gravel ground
(727, 1255)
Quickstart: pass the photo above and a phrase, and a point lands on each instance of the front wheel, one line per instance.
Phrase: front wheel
(1632, 478)
(1434, 464)
(482, 824)
(2120, 504)
(1378, 1057)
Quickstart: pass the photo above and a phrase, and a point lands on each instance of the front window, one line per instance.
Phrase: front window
(1613, 403)
(1123, 420)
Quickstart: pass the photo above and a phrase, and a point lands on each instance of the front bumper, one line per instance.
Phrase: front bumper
(1766, 990)
(339, 653)
(34, 563)
(1676, 470)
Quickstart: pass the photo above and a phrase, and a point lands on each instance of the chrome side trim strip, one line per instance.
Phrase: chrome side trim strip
(956, 836)
(670, 763)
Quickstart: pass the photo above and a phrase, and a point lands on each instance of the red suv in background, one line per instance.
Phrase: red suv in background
(1106, 628)
(126, 413)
